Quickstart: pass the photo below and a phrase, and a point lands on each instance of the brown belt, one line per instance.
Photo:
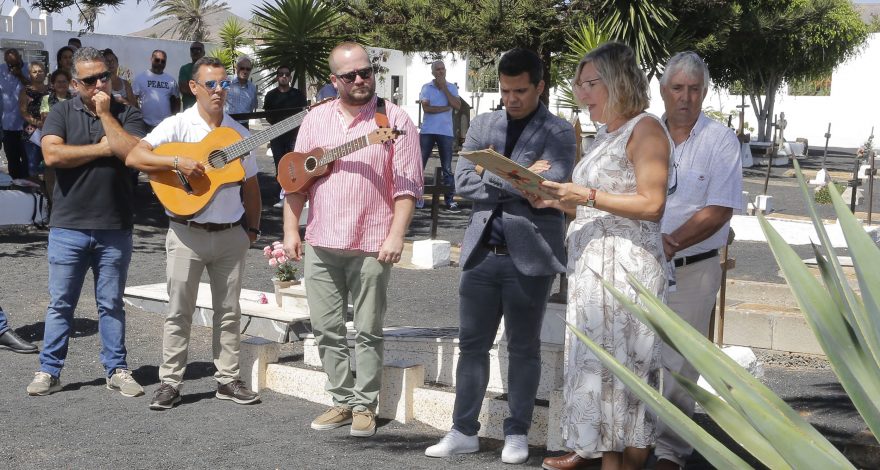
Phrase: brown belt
(207, 226)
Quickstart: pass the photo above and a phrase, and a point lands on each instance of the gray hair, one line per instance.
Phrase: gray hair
(689, 63)
(86, 54)
(243, 59)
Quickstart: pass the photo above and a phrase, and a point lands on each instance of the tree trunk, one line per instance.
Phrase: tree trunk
(764, 111)
(546, 58)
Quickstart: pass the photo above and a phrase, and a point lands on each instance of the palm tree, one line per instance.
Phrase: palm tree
(233, 34)
(89, 13)
(299, 34)
(187, 17)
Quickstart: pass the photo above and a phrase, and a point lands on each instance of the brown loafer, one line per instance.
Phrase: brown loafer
(570, 461)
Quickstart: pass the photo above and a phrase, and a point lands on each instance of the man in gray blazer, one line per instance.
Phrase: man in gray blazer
(510, 255)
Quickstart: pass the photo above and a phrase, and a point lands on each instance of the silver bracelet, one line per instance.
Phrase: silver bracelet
(175, 163)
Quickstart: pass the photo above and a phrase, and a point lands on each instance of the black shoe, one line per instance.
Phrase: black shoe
(165, 398)
(11, 341)
(237, 392)
(453, 207)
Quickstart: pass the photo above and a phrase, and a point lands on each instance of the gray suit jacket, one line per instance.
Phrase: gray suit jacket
(535, 237)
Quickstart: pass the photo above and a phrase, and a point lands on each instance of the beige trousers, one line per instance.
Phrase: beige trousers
(694, 299)
(190, 252)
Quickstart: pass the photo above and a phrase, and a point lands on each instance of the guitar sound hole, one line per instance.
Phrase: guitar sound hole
(218, 159)
(311, 164)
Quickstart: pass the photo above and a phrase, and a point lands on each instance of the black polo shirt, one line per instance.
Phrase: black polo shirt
(291, 99)
(98, 194)
(515, 128)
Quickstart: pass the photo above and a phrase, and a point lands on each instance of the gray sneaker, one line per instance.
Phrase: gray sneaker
(43, 384)
(124, 383)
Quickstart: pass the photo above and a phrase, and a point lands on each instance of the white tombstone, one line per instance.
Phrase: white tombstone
(847, 195)
(430, 254)
(863, 171)
(742, 356)
(745, 202)
(764, 203)
(746, 153)
(822, 178)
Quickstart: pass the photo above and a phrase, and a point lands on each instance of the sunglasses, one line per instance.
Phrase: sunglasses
(212, 84)
(93, 79)
(283, 74)
(159, 61)
(245, 68)
(196, 49)
(671, 190)
(365, 73)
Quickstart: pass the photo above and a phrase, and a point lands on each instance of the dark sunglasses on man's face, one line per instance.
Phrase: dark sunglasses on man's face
(283, 74)
(93, 79)
(195, 49)
(159, 61)
(245, 68)
(349, 77)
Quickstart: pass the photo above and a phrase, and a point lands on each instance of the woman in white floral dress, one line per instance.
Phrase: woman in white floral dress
(617, 197)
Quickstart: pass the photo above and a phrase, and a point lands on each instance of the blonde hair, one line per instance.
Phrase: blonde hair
(626, 83)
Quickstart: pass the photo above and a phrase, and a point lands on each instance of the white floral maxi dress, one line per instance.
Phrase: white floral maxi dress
(600, 414)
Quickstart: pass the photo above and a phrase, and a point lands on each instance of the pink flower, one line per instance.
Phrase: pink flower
(279, 253)
(273, 262)
(283, 259)
(263, 299)
(267, 251)
(277, 244)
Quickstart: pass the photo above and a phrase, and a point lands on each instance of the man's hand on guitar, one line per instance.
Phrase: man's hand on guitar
(293, 246)
(391, 250)
(189, 167)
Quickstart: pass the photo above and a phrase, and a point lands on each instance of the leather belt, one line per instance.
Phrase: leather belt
(679, 262)
(207, 226)
(497, 249)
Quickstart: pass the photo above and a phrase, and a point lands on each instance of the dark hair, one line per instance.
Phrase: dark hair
(86, 54)
(282, 66)
(159, 50)
(61, 51)
(518, 61)
(206, 62)
(55, 74)
(74, 41)
(107, 52)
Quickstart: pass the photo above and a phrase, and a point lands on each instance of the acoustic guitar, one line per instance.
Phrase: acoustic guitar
(298, 171)
(220, 152)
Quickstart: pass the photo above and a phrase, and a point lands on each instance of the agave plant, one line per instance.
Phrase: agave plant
(847, 327)
(585, 37)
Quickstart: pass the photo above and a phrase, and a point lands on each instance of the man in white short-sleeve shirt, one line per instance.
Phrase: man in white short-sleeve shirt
(214, 240)
(157, 91)
(705, 190)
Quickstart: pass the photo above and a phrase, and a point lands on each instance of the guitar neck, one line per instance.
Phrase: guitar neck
(338, 152)
(244, 146)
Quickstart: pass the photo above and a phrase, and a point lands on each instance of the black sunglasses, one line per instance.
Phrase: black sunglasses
(349, 77)
(671, 190)
(196, 49)
(93, 79)
(159, 61)
(245, 68)
(283, 74)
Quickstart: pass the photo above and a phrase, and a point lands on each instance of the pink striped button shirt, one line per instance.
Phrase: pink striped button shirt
(351, 207)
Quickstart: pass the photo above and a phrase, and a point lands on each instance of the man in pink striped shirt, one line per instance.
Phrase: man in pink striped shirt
(359, 214)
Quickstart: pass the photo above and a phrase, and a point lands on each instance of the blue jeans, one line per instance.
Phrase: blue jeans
(34, 158)
(71, 254)
(3, 324)
(490, 290)
(444, 148)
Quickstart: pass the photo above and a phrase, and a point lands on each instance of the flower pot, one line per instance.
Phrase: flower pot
(281, 285)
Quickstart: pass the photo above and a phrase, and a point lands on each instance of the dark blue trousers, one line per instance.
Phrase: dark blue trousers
(490, 290)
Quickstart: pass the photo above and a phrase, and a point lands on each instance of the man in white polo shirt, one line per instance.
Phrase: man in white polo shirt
(705, 189)
(214, 240)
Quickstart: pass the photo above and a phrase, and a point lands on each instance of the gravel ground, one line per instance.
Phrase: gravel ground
(88, 426)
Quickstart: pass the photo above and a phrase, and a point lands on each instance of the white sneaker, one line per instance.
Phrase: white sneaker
(516, 449)
(278, 204)
(453, 443)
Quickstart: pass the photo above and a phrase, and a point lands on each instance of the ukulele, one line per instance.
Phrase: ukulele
(220, 152)
(298, 171)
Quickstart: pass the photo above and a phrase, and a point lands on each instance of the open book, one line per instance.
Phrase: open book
(517, 175)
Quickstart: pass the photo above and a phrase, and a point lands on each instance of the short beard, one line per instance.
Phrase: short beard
(353, 101)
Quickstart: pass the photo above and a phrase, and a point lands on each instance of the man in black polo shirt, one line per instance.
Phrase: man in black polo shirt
(86, 140)
(283, 97)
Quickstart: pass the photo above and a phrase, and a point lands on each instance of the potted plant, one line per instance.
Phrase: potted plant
(285, 271)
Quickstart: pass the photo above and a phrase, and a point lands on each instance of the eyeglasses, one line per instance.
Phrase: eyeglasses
(245, 68)
(196, 49)
(671, 190)
(159, 61)
(211, 85)
(283, 74)
(93, 79)
(583, 85)
(365, 73)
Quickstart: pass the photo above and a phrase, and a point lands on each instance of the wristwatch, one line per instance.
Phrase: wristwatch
(591, 199)
(255, 231)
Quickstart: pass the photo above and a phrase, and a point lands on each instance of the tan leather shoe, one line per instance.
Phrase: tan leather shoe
(570, 461)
